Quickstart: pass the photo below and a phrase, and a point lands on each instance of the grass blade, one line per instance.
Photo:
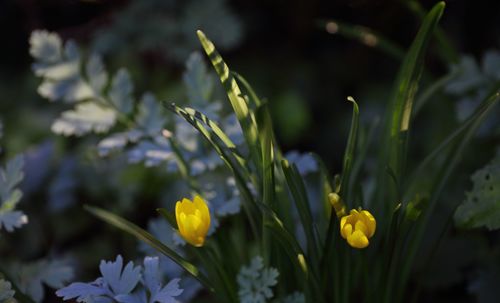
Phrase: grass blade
(405, 89)
(227, 151)
(443, 175)
(349, 153)
(245, 116)
(445, 49)
(298, 190)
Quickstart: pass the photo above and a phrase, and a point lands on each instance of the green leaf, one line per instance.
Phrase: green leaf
(481, 207)
(245, 116)
(442, 175)
(299, 194)
(349, 152)
(445, 49)
(227, 150)
(478, 115)
(404, 91)
(251, 93)
(143, 235)
(267, 154)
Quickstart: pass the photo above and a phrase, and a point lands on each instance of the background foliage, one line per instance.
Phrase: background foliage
(293, 54)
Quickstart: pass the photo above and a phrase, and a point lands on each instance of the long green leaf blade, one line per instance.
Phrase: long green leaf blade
(349, 152)
(443, 174)
(405, 89)
(245, 116)
(145, 236)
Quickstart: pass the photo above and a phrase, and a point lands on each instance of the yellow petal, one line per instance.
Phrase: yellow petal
(358, 240)
(202, 206)
(360, 225)
(346, 231)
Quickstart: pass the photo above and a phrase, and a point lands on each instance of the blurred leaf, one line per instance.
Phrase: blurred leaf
(32, 277)
(86, 117)
(491, 64)
(6, 291)
(199, 83)
(10, 177)
(69, 90)
(468, 77)
(96, 73)
(151, 116)
(152, 153)
(45, 46)
(121, 90)
(481, 206)
(292, 116)
(365, 36)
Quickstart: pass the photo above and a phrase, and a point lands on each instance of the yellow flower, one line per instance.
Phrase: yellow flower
(193, 220)
(358, 227)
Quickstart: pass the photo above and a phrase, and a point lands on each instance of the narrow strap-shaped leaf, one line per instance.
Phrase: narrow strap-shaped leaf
(267, 146)
(245, 116)
(442, 177)
(199, 121)
(349, 152)
(445, 50)
(145, 236)
(450, 139)
(267, 168)
(299, 194)
(251, 93)
(227, 151)
(293, 249)
(405, 88)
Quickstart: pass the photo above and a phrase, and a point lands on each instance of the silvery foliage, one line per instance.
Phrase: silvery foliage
(473, 82)
(255, 282)
(168, 27)
(31, 277)
(6, 291)
(162, 231)
(129, 284)
(144, 139)
(10, 177)
(305, 163)
(70, 78)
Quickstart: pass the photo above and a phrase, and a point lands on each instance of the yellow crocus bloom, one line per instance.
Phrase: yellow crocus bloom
(358, 227)
(193, 220)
